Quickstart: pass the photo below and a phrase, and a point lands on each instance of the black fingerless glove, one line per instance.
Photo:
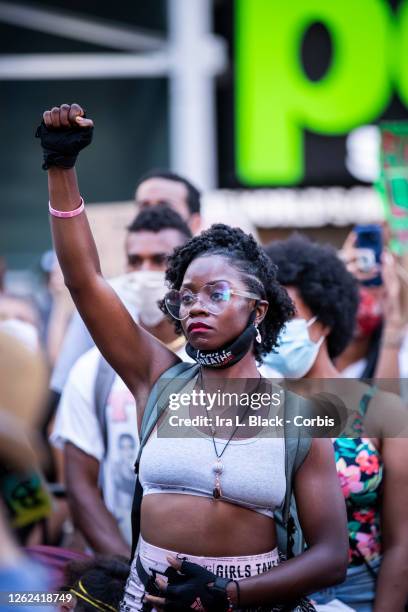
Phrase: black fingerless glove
(194, 591)
(62, 145)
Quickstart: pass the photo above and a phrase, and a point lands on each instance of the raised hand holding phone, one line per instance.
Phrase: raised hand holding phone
(361, 262)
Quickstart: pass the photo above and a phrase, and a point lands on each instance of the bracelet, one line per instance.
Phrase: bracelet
(67, 214)
(220, 584)
(392, 344)
(392, 338)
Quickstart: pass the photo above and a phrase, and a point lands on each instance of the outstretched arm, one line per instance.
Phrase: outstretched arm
(137, 357)
(387, 370)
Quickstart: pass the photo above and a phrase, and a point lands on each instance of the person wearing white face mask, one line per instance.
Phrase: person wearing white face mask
(373, 471)
(142, 290)
(151, 238)
(96, 421)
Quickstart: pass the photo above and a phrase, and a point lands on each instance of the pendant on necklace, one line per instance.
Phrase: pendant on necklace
(216, 492)
(218, 467)
(217, 488)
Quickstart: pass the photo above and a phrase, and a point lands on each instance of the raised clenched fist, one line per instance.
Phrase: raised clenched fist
(64, 132)
(65, 116)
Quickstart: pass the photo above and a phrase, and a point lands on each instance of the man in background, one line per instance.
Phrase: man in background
(177, 192)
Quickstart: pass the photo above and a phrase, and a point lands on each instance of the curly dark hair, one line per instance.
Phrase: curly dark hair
(258, 274)
(103, 577)
(158, 218)
(323, 282)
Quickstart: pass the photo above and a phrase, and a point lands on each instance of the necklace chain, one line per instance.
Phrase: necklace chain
(229, 439)
(218, 467)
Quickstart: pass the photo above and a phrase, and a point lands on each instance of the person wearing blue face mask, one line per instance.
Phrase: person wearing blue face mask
(326, 298)
(297, 352)
(372, 471)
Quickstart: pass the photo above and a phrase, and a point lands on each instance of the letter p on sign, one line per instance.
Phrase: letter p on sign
(275, 100)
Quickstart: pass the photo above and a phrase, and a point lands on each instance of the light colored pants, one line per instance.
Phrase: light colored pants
(357, 591)
(154, 560)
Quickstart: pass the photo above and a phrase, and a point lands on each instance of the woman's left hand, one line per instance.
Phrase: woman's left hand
(192, 593)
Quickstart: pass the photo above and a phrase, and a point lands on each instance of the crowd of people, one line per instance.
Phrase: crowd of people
(106, 505)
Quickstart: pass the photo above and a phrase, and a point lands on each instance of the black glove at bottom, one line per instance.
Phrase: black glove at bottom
(61, 146)
(193, 592)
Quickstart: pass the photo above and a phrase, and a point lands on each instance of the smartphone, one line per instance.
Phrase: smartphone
(369, 237)
(365, 260)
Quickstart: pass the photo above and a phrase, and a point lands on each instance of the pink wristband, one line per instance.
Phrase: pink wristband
(61, 214)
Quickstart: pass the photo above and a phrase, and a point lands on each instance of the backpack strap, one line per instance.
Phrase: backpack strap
(105, 377)
(296, 445)
(172, 380)
(365, 400)
(288, 531)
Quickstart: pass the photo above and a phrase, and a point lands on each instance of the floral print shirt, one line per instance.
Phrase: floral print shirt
(360, 470)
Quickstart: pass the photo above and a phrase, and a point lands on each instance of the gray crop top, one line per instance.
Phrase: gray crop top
(253, 473)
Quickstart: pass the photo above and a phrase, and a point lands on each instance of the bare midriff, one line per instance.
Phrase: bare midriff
(205, 527)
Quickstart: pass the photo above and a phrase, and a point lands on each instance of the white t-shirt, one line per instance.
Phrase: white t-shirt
(76, 422)
(78, 340)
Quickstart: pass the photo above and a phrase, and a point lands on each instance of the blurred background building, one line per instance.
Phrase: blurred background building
(271, 108)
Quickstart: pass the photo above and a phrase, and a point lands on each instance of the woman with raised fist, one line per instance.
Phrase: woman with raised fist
(210, 499)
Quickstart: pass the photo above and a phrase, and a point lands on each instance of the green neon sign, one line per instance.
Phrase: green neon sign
(275, 101)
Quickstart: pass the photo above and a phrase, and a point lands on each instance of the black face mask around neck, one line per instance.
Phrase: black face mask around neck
(228, 354)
